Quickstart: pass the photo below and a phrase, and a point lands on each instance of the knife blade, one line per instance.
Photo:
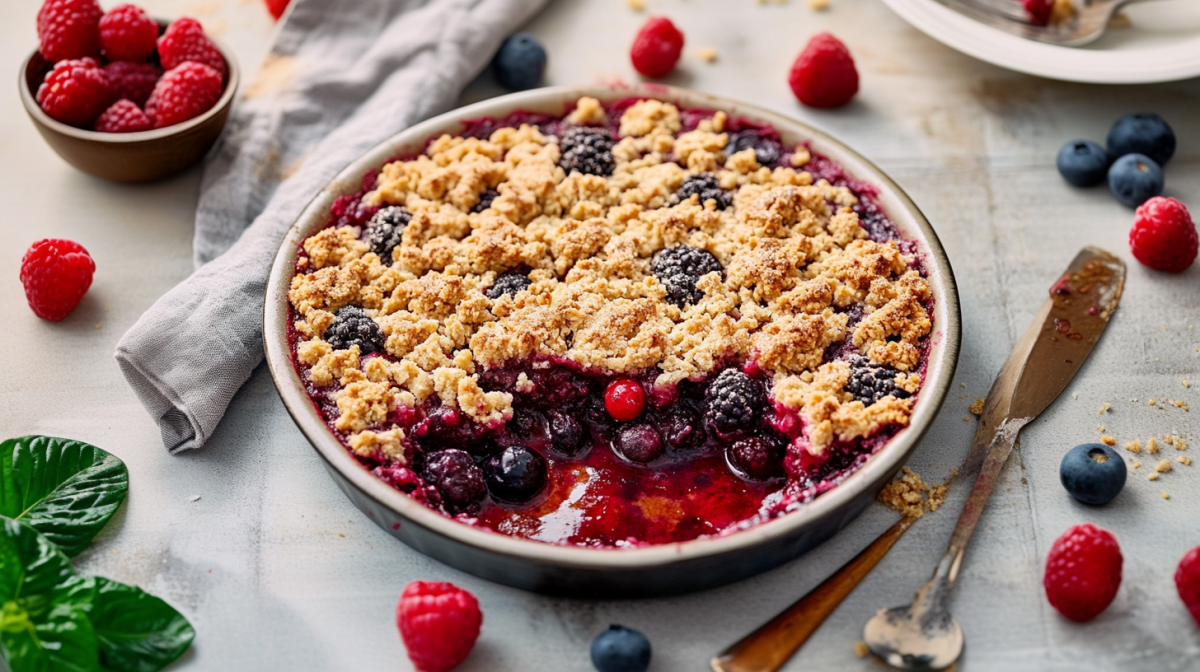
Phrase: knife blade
(1053, 349)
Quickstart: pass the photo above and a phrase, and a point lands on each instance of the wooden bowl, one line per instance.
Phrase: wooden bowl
(128, 157)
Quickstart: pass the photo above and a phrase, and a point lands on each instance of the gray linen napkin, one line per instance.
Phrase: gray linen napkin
(342, 76)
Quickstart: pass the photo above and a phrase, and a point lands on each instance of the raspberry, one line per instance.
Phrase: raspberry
(75, 92)
(624, 399)
(132, 81)
(657, 47)
(123, 117)
(1083, 572)
(870, 382)
(277, 7)
(385, 230)
(56, 274)
(588, 151)
(184, 40)
(508, 283)
(457, 479)
(705, 187)
(69, 29)
(679, 268)
(1038, 11)
(734, 401)
(439, 623)
(824, 74)
(1187, 581)
(352, 327)
(1163, 236)
(183, 93)
(127, 33)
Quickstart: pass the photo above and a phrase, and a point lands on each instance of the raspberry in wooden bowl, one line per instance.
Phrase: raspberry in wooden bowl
(612, 341)
(134, 121)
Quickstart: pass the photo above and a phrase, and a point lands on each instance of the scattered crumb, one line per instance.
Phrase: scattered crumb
(104, 308)
(861, 649)
(962, 385)
(1152, 445)
(1184, 460)
(1133, 399)
(966, 418)
(1179, 403)
(194, 498)
(707, 54)
(1180, 444)
(818, 5)
(97, 325)
(636, 5)
(1108, 440)
(1152, 402)
(116, 552)
(1136, 465)
(1153, 476)
(1074, 395)
(1104, 409)
(905, 494)
(1186, 384)
(1100, 428)
(954, 472)
(977, 406)
(341, 534)
(1163, 466)
(1165, 496)
(1134, 446)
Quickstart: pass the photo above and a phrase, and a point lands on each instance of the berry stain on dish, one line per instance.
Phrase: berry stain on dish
(630, 325)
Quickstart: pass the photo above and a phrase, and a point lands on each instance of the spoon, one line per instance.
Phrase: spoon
(923, 635)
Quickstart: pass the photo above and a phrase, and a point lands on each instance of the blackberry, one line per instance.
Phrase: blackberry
(507, 283)
(870, 382)
(385, 229)
(587, 150)
(485, 200)
(352, 326)
(734, 402)
(516, 475)
(678, 269)
(766, 149)
(705, 186)
(457, 479)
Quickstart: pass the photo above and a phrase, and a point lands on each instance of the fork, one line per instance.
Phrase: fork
(1086, 23)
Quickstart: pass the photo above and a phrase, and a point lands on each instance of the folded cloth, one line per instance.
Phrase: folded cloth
(341, 77)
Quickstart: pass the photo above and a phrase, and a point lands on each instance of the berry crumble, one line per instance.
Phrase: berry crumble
(634, 324)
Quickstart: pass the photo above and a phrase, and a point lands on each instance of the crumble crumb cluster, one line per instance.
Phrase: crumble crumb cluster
(793, 255)
(911, 496)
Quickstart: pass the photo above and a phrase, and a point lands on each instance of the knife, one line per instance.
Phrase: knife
(1052, 350)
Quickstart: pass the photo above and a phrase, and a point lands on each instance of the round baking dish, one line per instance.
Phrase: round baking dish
(654, 570)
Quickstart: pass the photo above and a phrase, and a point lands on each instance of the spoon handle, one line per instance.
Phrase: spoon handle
(769, 647)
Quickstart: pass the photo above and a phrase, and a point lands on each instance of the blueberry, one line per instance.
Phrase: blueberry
(620, 649)
(1083, 163)
(1093, 473)
(516, 475)
(520, 62)
(1142, 134)
(1135, 179)
(639, 443)
(566, 434)
(756, 457)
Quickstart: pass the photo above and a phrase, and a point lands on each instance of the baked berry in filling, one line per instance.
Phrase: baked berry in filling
(631, 325)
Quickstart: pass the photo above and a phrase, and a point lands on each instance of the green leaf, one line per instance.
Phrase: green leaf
(43, 621)
(136, 631)
(67, 490)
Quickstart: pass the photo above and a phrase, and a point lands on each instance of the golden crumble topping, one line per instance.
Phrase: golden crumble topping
(794, 261)
(911, 496)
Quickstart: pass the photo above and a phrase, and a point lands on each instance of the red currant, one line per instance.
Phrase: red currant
(624, 399)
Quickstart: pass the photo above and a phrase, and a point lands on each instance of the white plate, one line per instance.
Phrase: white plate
(1162, 45)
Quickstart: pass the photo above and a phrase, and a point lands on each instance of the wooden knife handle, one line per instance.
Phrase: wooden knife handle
(769, 647)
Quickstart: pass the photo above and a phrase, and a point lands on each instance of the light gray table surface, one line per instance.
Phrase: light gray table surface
(279, 572)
